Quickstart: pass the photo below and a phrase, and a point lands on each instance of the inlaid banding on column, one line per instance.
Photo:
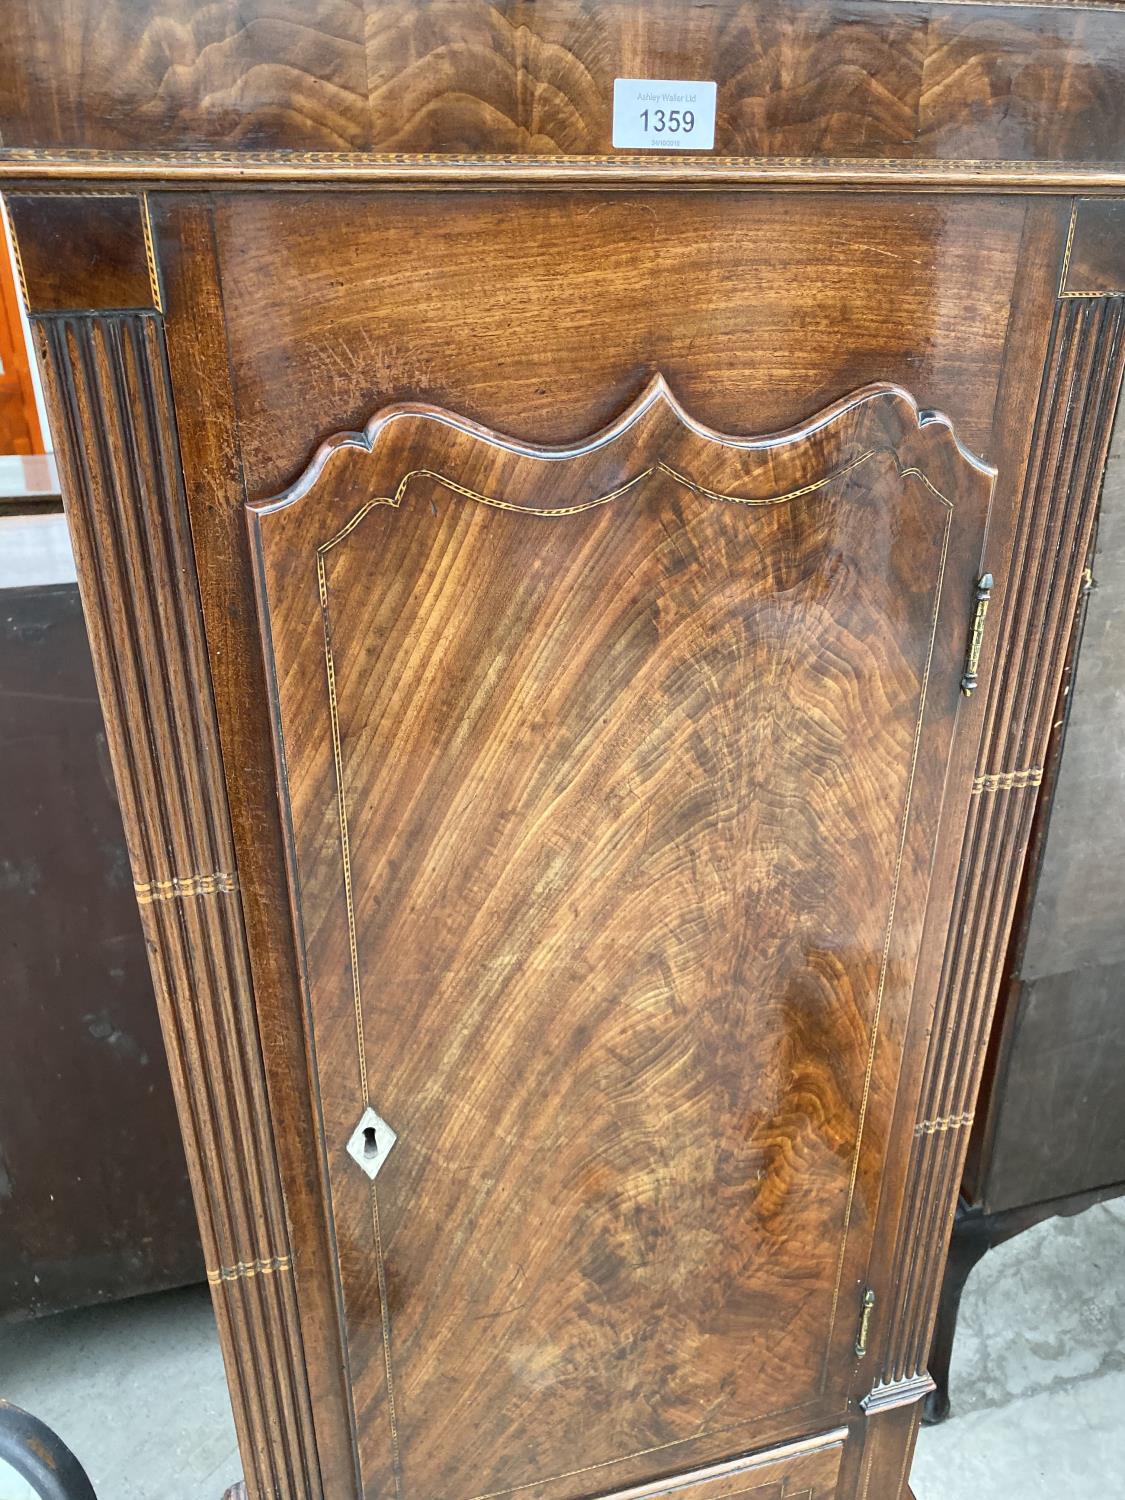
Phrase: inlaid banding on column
(217, 883)
(945, 1122)
(150, 255)
(1006, 781)
(111, 406)
(266, 1266)
(1083, 370)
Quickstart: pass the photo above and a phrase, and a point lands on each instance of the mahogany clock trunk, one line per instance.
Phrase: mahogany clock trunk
(578, 632)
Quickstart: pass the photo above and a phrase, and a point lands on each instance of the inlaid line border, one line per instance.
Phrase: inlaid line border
(904, 828)
(327, 169)
(1063, 293)
(494, 502)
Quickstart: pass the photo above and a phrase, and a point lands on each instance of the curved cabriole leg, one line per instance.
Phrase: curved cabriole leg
(969, 1243)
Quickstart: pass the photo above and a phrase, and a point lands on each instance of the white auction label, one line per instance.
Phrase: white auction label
(662, 114)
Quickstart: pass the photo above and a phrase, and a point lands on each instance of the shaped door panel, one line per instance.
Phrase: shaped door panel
(612, 777)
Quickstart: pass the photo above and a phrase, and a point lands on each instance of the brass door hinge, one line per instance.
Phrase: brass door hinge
(864, 1322)
(976, 634)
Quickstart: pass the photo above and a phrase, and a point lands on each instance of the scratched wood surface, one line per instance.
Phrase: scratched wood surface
(537, 312)
(613, 775)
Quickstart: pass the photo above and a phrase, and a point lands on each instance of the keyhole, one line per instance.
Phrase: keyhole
(369, 1145)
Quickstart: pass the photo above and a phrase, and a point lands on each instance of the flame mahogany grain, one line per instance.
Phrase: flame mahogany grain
(845, 79)
(678, 871)
(608, 770)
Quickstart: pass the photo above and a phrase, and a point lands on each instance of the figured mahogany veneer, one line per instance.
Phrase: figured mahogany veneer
(77, 253)
(395, 87)
(557, 765)
(1095, 249)
(756, 308)
(798, 1471)
(608, 769)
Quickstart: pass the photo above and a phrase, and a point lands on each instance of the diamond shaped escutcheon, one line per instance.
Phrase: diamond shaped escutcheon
(371, 1142)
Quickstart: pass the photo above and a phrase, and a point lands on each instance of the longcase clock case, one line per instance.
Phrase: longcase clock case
(578, 637)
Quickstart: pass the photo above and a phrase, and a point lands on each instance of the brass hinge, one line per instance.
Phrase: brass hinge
(864, 1322)
(976, 634)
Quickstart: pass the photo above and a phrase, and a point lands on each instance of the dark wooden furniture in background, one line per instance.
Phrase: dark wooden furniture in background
(531, 598)
(94, 1197)
(1049, 1133)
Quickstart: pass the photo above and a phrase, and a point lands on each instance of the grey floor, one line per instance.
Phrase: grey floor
(1038, 1382)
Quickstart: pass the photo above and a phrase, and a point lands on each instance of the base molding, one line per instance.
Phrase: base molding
(897, 1393)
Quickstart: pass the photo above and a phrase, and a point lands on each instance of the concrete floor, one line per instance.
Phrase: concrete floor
(1038, 1384)
(135, 1389)
(1038, 1379)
